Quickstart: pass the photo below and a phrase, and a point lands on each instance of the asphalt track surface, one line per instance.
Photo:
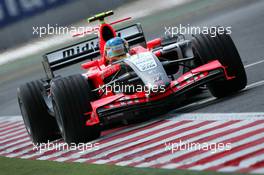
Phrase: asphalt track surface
(246, 19)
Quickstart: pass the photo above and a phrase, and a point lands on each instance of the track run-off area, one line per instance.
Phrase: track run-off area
(231, 142)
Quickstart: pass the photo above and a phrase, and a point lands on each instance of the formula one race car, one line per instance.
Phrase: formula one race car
(77, 107)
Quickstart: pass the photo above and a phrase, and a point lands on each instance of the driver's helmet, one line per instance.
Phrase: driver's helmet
(116, 49)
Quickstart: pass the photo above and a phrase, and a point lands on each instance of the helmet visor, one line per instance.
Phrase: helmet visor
(115, 51)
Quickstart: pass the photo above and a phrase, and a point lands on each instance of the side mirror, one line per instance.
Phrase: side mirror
(90, 64)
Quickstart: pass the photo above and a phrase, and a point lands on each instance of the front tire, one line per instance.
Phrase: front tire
(221, 47)
(40, 125)
(71, 100)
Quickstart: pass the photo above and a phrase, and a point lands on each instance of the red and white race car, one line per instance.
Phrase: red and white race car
(76, 107)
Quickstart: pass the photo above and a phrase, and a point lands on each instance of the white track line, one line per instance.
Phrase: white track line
(15, 137)
(158, 135)
(253, 64)
(219, 116)
(11, 118)
(13, 134)
(227, 157)
(233, 155)
(9, 150)
(252, 160)
(229, 169)
(16, 142)
(258, 171)
(196, 158)
(256, 84)
(184, 117)
(167, 158)
(159, 151)
(169, 139)
(4, 123)
(195, 104)
(108, 143)
(20, 152)
(18, 128)
(13, 125)
(102, 138)
(253, 85)
(136, 134)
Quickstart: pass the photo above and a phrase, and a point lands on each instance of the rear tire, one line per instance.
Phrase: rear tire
(41, 126)
(221, 47)
(71, 99)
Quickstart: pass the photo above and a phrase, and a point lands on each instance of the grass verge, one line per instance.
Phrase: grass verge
(13, 166)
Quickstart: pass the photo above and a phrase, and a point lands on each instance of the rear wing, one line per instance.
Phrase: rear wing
(87, 50)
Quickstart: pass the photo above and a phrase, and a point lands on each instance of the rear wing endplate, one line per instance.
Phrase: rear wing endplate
(87, 50)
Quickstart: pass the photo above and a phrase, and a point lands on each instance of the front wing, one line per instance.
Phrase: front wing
(122, 106)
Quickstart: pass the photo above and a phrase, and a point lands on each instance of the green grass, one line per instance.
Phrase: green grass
(12, 166)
